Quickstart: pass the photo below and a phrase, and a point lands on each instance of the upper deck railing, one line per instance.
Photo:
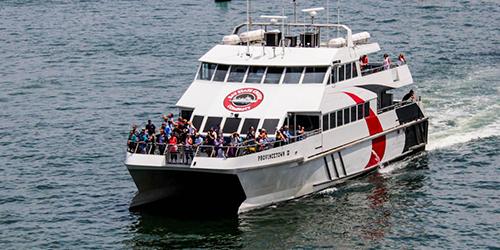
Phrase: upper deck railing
(305, 27)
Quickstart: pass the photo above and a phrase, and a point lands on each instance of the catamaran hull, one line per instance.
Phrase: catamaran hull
(232, 191)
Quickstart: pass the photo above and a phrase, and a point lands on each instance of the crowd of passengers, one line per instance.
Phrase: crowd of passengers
(180, 137)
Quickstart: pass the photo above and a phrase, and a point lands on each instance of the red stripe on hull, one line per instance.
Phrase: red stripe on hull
(374, 127)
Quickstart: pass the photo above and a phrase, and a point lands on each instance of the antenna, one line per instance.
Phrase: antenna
(338, 16)
(249, 22)
(294, 11)
(312, 12)
(327, 11)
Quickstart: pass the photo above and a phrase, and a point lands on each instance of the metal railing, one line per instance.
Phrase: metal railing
(249, 147)
(395, 105)
(182, 154)
(174, 153)
(375, 68)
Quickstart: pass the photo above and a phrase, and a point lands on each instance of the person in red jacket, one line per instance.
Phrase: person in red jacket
(172, 148)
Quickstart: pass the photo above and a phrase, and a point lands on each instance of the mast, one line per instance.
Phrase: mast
(249, 22)
(327, 11)
(294, 11)
(338, 16)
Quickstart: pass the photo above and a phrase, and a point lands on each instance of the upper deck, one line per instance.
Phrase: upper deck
(272, 71)
(290, 44)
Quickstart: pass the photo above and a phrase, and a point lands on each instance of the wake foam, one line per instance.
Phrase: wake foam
(458, 138)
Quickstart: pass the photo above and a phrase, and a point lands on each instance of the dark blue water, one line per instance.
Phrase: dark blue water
(75, 74)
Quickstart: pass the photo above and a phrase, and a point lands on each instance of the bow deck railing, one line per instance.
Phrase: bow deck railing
(184, 154)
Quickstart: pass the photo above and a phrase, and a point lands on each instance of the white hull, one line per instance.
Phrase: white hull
(285, 172)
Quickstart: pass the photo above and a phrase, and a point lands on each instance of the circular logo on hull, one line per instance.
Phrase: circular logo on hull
(244, 99)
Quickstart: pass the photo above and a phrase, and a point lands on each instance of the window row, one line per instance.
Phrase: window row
(345, 116)
(343, 72)
(262, 74)
(232, 124)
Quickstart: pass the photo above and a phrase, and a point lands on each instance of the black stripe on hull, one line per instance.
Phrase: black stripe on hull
(416, 135)
(181, 192)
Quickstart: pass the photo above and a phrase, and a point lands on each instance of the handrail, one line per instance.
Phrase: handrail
(171, 151)
(397, 104)
(379, 67)
(331, 26)
(187, 153)
(242, 149)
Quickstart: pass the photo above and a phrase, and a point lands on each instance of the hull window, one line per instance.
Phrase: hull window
(249, 122)
(212, 123)
(341, 73)
(314, 75)
(325, 122)
(197, 120)
(231, 125)
(273, 75)
(346, 116)
(340, 118)
(270, 125)
(353, 114)
(255, 74)
(360, 111)
(237, 73)
(206, 71)
(309, 122)
(221, 72)
(333, 120)
(348, 71)
(367, 109)
(354, 70)
(333, 74)
(292, 75)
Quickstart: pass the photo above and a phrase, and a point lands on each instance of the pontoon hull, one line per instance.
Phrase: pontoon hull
(194, 191)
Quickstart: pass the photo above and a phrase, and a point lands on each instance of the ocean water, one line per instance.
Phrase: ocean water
(74, 75)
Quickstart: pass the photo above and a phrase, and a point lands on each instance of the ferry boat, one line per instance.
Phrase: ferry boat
(272, 74)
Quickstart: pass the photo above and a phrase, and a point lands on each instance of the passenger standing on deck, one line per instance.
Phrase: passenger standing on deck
(161, 139)
(387, 62)
(410, 96)
(143, 140)
(280, 138)
(132, 141)
(190, 128)
(250, 134)
(188, 148)
(300, 133)
(286, 134)
(169, 117)
(150, 127)
(163, 126)
(198, 140)
(211, 136)
(151, 143)
(401, 59)
(169, 129)
(172, 148)
(363, 62)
